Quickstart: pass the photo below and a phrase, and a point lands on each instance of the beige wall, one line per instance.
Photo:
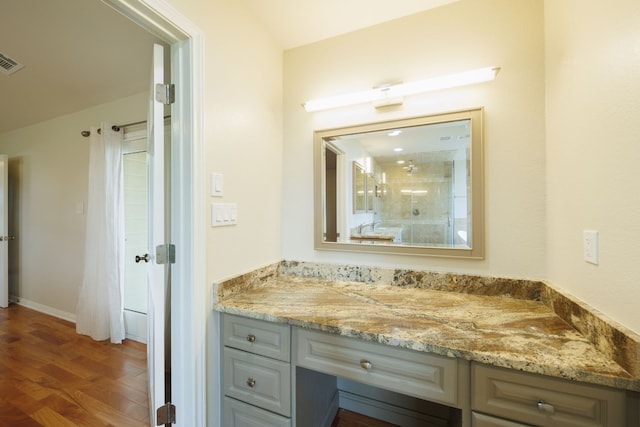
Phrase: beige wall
(593, 151)
(242, 132)
(48, 165)
(460, 36)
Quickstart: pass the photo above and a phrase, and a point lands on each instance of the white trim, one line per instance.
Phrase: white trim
(64, 315)
(189, 291)
(188, 223)
(135, 325)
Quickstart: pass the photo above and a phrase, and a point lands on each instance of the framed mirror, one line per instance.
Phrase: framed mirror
(411, 186)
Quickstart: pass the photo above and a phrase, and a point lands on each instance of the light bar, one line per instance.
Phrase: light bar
(393, 94)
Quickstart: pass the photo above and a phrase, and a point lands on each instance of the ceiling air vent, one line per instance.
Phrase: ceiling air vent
(8, 65)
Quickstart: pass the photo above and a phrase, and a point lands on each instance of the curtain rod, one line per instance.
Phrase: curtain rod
(116, 128)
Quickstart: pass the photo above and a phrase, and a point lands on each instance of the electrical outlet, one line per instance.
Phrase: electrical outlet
(590, 245)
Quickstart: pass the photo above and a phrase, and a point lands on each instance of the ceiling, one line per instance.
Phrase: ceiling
(81, 53)
(76, 54)
(298, 22)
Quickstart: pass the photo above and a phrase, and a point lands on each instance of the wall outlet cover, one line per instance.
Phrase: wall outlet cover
(590, 246)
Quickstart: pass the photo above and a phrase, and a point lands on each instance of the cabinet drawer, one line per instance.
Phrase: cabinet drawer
(408, 372)
(239, 414)
(256, 336)
(481, 420)
(516, 395)
(257, 380)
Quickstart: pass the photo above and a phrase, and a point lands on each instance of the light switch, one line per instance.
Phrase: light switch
(217, 184)
(79, 208)
(223, 214)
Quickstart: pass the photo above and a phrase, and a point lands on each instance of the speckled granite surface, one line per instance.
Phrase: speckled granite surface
(501, 322)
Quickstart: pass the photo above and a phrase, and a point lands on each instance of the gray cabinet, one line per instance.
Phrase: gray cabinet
(481, 420)
(256, 373)
(267, 339)
(260, 361)
(542, 401)
(428, 377)
(240, 414)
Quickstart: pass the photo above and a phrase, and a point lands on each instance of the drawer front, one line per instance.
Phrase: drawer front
(256, 336)
(239, 414)
(257, 380)
(544, 401)
(408, 372)
(481, 420)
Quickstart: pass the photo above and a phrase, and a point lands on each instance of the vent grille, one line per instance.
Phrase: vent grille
(8, 65)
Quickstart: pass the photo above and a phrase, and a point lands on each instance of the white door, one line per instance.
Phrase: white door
(4, 232)
(159, 278)
(136, 243)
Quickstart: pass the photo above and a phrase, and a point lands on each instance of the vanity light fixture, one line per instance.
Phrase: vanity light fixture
(388, 95)
(394, 132)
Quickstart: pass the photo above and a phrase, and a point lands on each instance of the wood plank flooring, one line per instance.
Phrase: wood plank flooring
(50, 376)
(346, 418)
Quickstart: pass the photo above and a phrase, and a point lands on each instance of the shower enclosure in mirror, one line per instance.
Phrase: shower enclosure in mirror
(411, 186)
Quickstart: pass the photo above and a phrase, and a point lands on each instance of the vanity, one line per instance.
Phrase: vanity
(301, 340)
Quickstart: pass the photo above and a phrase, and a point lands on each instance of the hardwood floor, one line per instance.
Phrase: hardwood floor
(351, 419)
(50, 376)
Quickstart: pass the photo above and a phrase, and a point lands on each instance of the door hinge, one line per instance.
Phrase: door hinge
(166, 414)
(166, 94)
(166, 254)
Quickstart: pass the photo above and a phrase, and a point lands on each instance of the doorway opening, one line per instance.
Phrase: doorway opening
(189, 317)
(136, 218)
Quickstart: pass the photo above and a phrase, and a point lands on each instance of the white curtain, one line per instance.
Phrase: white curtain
(101, 302)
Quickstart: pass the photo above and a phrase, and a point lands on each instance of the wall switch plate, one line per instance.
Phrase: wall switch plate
(223, 214)
(590, 245)
(217, 184)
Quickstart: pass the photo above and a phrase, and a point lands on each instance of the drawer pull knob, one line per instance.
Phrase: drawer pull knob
(365, 364)
(251, 382)
(545, 407)
(251, 338)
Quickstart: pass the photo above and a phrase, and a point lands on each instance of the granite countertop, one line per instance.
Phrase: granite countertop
(498, 330)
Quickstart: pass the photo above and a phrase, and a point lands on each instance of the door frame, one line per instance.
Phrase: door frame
(4, 229)
(188, 296)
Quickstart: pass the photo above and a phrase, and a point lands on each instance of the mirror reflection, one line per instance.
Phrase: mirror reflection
(358, 177)
(410, 186)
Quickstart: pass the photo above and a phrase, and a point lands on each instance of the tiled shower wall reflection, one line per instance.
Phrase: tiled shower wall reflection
(420, 199)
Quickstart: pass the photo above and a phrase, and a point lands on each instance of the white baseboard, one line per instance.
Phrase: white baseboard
(70, 317)
(135, 325)
(133, 321)
(389, 413)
